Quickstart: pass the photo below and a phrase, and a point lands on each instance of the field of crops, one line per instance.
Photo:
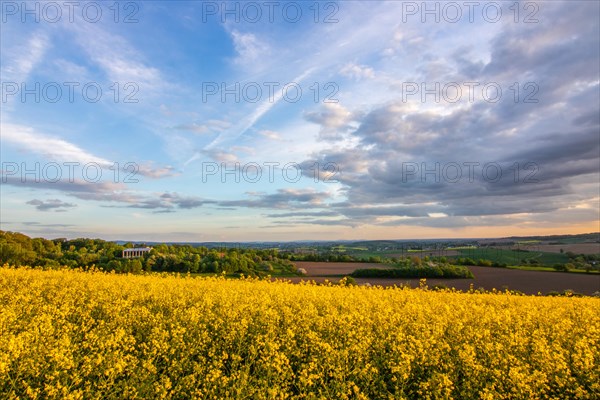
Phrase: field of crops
(81, 335)
(513, 257)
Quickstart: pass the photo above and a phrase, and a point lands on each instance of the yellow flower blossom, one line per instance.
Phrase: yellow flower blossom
(68, 334)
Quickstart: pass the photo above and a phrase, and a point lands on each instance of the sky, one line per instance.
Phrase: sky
(280, 121)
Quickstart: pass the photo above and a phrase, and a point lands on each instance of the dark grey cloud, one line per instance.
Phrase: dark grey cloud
(167, 211)
(548, 150)
(107, 192)
(589, 118)
(184, 202)
(39, 224)
(282, 199)
(304, 214)
(315, 221)
(51, 204)
(75, 186)
(115, 196)
(163, 203)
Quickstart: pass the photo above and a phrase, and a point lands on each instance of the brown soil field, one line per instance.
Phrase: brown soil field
(580, 248)
(529, 282)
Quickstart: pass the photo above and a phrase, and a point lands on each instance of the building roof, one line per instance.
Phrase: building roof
(139, 249)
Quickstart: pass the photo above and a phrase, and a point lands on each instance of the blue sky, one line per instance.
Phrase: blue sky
(367, 120)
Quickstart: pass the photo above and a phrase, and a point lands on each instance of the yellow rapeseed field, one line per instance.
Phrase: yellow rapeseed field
(90, 335)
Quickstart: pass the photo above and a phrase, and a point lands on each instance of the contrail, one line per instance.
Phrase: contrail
(251, 119)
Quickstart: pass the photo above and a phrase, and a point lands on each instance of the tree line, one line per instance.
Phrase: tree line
(18, 249)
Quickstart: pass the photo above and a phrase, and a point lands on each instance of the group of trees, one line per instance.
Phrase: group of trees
(18, 249)
(480, 262)
(584, 261)
(587, 262)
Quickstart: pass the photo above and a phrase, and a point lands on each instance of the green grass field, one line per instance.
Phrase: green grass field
(343, 249)
(512, 257)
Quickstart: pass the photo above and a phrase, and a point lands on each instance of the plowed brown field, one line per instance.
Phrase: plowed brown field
(530, 282)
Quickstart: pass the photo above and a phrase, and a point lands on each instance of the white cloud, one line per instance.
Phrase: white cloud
(270, 134)
(222, 156)
(19, 61)
(50, 147)
(149, 170)
(118, 58)
(56, 149)
(249, 48)
(357, 72)
(26, 58)
(333, 119)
